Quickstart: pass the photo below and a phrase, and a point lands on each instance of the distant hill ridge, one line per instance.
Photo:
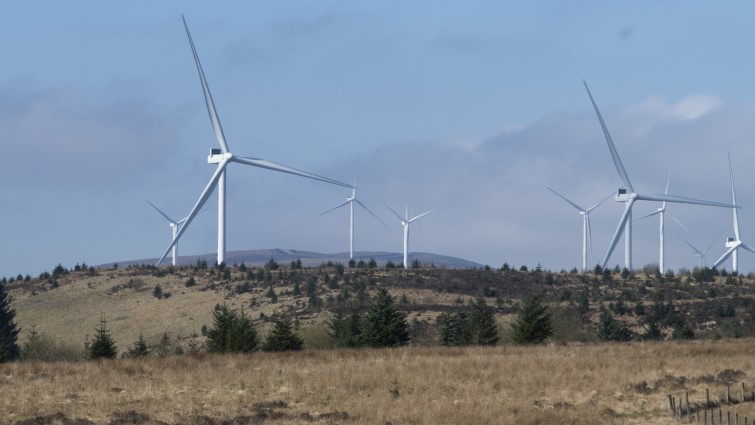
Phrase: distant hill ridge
(309, 258)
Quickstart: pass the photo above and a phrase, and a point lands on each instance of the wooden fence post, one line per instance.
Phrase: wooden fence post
(728, 396)
(743, 392)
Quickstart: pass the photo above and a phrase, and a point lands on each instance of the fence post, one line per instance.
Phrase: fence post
(728, 396)
(686, 401)
(743, 392)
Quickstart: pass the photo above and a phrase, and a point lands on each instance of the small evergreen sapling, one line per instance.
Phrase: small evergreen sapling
(9, 349)
(102, 346)
(283, 338)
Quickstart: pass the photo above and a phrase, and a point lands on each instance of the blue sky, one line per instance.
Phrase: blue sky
(471, 108)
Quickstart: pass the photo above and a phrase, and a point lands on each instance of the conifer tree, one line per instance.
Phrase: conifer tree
(243, 337)
(452, 329)
(9, 350)
(610, 329)
(102, 346)
(219, 335)
(533, 324)
(384, 325)
(481, 328)
(283, 338)
(346, 331)
(139, 349)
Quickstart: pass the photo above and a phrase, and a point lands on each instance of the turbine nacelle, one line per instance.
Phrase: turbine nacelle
(217, 156)
(623, 196)
(732, 243)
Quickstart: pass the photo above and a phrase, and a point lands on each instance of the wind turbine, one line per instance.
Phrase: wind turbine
(661, 212)
(629, 196)
(733, 243)
(350, 201)
(222, 157)
(586, 233)
(405, 222)
(699, 253)
(173, 225)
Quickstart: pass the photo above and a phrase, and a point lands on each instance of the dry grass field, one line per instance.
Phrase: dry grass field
(559, 384)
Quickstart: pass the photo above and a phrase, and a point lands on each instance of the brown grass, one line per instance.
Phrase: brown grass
(576, 384)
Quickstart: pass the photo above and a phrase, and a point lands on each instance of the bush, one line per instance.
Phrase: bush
(139, 349)
(533, 324)
(384, 325)
(474, 326)
(103, 346)
(283, 338)
(611, 329)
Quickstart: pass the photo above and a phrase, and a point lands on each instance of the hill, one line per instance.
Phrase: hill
(308, 258)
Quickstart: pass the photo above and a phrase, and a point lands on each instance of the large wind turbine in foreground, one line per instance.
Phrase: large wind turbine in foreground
(733, 243)
(405, 221)
(629, 196)
(173, 225)
(662, 212)
(586, 233)
(351, 200)
(223, 157)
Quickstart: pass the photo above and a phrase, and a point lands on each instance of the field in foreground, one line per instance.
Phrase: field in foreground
(565, 384)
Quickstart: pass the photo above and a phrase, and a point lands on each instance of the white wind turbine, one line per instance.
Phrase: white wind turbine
(662, 212)
(405, 221)
(223, 157)
(173, 225)
(699, 253)
(733, 243)
(586, 233)
(629, 196)
(351, 200)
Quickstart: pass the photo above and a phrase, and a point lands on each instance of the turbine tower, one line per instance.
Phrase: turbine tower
(350, 201)
(586, 233)
(733, 243)
(173, 225)
(222, 157)
(662, 212)
(629, 196)
(699, 253)
(405, 222)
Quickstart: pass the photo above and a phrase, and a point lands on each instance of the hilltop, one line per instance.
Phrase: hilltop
(67, 305)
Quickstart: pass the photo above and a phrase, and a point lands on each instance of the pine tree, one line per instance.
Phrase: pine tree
(243, 337)
(611, 329)
(9, 350)
(102, 346)
(533, 324)
(220, 333)
(283, 338)
(139, 349)
(346, 331)
(452, 329)
(384, 325)
(481, 328)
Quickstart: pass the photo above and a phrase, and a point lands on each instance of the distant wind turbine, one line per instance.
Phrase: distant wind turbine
(173, 225)
(223, 157)
(629, 196)
(405, 221)
(699, 253)
(350, 201)
(662, 212)
(733, 243)
(586, 233)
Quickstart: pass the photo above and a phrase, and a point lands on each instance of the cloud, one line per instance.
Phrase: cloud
(690, 108)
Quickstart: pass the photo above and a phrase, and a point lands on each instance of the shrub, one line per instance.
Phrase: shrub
(283, 338)
(139, 349)
(611, 329)
(533, 324)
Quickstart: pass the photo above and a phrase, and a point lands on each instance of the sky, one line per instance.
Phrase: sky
(472, 108)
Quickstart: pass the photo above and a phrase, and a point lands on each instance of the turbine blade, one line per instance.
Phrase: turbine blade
(421, 215)
(668, 180)
(678, 222)
(369, 211)
(207, 95)
(647, 215)
(564, 198)
(747, 248)
(197, 207)
(419, 225)
(697, 251)
(270, 165)
(599, 203)
(619, 229)
(712, 242)
(162, 213)
(682, 200)
(724, 257)
(733, 199)
(335, 208)
(394, 212)
(614, 154)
